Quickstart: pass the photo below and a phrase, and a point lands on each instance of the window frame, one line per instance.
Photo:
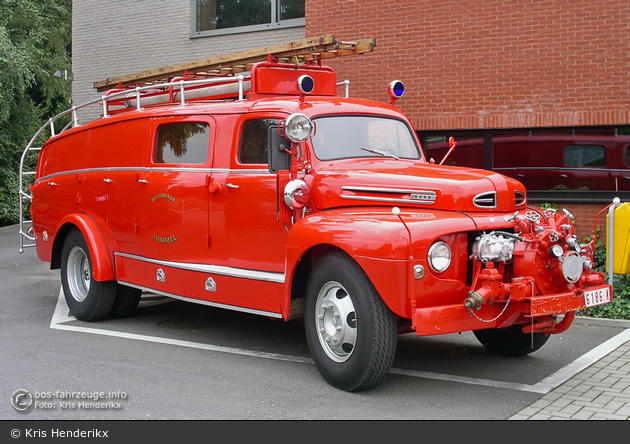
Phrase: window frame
(161, 121)
(412, 135)
(601, 148)
(274, 23)
(241, 132)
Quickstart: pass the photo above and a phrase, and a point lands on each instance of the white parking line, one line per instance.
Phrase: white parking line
(62, 316)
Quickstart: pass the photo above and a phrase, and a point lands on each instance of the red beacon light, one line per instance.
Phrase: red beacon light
(396, 90)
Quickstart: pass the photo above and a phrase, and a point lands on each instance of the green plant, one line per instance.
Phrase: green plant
(549, 206)
(35, 43)
(619, 308)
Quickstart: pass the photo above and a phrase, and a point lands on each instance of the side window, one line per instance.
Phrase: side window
(182, 143)
(584, 156)
(253, 148)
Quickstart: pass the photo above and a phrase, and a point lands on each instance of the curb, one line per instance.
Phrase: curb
(6, 227)
(602, 322)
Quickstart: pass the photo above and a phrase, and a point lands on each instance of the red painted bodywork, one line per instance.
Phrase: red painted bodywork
(225, 222)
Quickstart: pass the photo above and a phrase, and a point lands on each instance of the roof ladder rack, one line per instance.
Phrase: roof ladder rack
(311, 50)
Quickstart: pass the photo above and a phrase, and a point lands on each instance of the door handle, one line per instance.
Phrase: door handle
(563, 175)
(230, 185)
(143, 181)
(107, 180)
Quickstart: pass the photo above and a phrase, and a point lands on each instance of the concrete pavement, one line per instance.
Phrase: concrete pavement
(599, 392)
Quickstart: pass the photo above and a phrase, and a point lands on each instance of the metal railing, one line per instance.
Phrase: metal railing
(611, 238)
(25, 226)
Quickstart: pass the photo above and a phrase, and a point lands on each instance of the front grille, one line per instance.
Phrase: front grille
(485, 200)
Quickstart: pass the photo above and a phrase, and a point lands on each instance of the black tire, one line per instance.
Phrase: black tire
(511, 341)
(342, 304)
(88, 299)
(126, 302)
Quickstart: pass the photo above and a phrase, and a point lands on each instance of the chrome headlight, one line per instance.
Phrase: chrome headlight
(298, 127)
(439, 256)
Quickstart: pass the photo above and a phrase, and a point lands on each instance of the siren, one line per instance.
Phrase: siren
(396, 90)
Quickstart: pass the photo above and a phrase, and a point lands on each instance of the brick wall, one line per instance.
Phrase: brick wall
(490, 63)
(118, 37)
(585, 215)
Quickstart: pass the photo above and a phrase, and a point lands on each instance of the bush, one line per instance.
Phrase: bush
(619, 308)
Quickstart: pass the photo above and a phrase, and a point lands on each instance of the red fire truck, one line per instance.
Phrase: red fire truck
(250, 184)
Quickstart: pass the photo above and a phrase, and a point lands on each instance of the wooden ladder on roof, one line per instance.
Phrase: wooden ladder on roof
(297, 52)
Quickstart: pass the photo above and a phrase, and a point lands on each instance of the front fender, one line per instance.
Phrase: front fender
(379, 242)
(102, 269)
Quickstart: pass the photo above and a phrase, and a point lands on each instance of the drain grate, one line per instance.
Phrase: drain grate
(189, 323)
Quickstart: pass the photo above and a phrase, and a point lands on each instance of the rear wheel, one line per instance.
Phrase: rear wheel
(511, 341)
(351, 333)
(88, 300)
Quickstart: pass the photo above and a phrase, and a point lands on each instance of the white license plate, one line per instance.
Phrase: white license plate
(597, 297)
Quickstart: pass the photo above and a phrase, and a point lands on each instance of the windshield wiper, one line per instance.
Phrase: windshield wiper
(380, 153)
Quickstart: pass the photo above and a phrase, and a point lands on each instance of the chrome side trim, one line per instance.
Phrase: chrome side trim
(157, 170)
(388, 190)
(415, 196)
(208, 303)
(212, 269)
(385, 199)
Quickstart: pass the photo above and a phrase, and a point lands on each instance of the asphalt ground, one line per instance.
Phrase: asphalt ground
(180, 361)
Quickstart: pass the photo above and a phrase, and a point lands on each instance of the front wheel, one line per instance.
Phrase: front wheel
(350, 331)
(88, 300)
(511, 341)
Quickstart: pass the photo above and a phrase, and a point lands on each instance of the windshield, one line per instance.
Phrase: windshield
(342, 137)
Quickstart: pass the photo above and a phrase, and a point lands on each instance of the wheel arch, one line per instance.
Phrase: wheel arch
(102, 269)
(298, 277)
(387, 268)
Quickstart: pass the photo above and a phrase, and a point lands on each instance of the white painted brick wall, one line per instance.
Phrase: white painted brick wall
(118, 37)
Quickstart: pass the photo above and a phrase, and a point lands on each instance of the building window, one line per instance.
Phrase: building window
(216, 17)
(584, 156)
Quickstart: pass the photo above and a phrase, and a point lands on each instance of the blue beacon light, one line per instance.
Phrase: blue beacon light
(306, 84)
(396, 90)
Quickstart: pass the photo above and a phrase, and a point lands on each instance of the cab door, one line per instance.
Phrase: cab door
(174, 223)
(255, 238)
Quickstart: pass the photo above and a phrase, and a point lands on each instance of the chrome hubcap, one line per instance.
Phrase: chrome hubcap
(336, 322)
(79, 274)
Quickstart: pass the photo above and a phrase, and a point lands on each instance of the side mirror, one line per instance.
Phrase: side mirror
(279, 158)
